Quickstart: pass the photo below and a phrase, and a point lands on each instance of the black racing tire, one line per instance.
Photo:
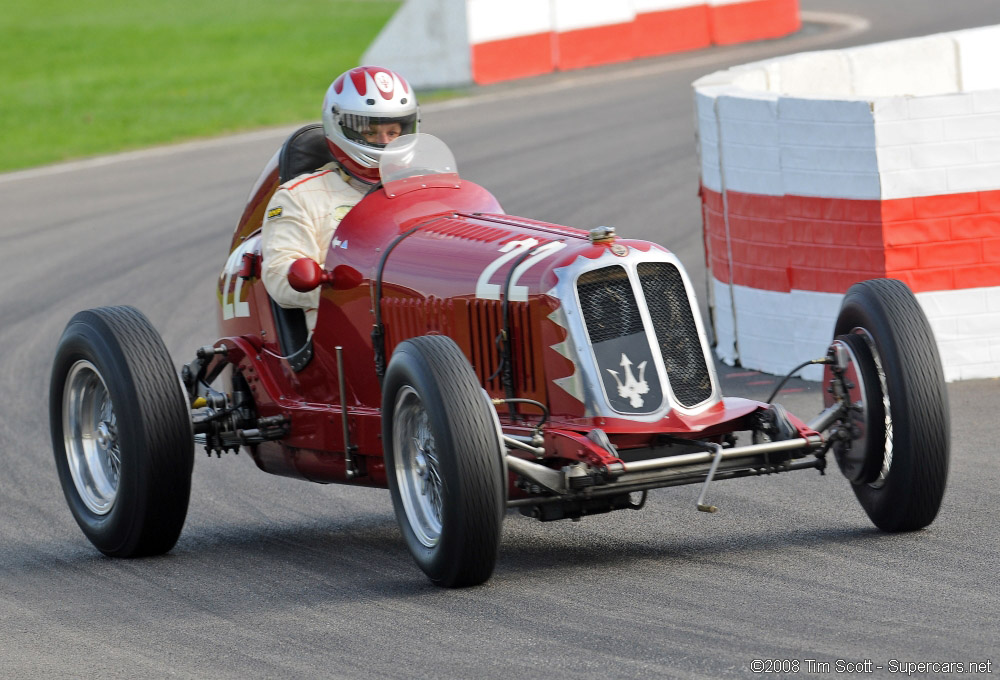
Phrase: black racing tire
(121, 432)
(912, 469)
(443, 461)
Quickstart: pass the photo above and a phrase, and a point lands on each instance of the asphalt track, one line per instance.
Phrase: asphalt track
(280, 578)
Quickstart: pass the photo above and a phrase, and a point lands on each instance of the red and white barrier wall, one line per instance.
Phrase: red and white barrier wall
(507, 39)
(826, 168)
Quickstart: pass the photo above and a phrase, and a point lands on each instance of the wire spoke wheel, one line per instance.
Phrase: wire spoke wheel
(417, 471)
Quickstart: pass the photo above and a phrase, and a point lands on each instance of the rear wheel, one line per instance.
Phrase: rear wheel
(898, 461)
(121, 432)
(443, 461)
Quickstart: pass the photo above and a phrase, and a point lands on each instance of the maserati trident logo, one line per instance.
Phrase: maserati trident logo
(631, 389)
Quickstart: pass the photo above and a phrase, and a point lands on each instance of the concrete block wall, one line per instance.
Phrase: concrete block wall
(487, 41)
(813, 182)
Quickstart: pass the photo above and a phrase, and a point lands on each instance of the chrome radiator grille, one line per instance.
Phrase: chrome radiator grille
(608, 305)
(617, 334)
(676, 331)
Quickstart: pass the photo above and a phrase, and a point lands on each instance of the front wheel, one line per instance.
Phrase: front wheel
(121, 433)
(898, 460)
(443, 461)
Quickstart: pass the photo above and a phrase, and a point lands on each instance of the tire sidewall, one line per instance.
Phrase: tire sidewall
(891, 505)
(109, 532)
(410, 368)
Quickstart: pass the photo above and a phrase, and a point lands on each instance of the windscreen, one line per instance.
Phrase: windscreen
(417, 161)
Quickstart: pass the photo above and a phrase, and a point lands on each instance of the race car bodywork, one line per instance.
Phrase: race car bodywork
(474, 361)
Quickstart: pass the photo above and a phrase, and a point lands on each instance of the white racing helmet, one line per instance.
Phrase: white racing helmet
(356, 104)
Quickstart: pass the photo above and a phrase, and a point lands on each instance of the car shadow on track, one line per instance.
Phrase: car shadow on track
(365, 558)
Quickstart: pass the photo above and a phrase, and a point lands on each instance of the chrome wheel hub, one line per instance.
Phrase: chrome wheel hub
(90, 437)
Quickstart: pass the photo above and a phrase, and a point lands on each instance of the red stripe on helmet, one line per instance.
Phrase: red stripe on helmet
(338, 84)
(358, 78)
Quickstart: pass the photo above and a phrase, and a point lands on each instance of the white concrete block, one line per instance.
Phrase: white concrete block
(571, 15)
(752, 156)
(945, 328)
(820, 110)
(642, 6)
(831, 159)
(737, 131)
(995, 350)
(908, 183)
(943, 155)
(891, 133)
(977, 126)
(755, 80)
(724, 330)
(977, 56)
(992, 298)
(986, 101)
(711, 174)
(950, 303)
(750, 106)
(963, 352)
(807, 303)
(812, 373)
(952, 373)
(983, 326)
(490, 20)
(770, 355)
(893, 158)
(916, 66)
(980, 177)
(826, 74)
(940, 106)
(831, 185)
(766, 323)
(427, 41)
(753, 181)
(832, 135)
(886, 109)
(988, 150)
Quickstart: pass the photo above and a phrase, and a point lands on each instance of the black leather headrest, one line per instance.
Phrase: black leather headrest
(304, 151)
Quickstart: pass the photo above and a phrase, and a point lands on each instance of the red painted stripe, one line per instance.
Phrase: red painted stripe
(594, 46)
(672, 30)
(755, 20)
(306, 179)
(777, 243)
(650, 34)
(520, 57)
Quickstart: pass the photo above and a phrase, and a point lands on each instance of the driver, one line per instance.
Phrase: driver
(364, 109)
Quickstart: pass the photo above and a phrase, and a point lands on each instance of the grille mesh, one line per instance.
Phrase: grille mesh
(609, 308)
(676, 332)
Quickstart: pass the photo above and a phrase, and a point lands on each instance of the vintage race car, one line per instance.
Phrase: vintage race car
(472, 362)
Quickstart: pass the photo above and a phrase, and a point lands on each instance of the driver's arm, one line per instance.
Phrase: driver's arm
(288, 233)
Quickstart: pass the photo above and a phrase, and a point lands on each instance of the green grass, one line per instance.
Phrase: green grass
(96, 76)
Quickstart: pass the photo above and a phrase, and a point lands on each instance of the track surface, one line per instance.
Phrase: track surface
(280, 578)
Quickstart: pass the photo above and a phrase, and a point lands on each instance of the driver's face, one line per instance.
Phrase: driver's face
(382, 133)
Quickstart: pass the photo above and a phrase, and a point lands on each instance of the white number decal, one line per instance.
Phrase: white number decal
(511, 250)
(232, 305)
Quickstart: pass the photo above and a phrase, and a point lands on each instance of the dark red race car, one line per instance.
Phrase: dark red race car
(472, 362)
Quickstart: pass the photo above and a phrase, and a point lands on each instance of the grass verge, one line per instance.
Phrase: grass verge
(93, 77)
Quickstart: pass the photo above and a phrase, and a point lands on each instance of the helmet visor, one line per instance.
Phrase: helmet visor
(376, 131)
